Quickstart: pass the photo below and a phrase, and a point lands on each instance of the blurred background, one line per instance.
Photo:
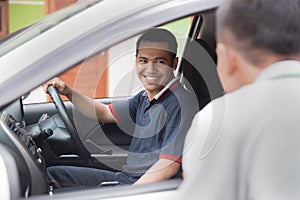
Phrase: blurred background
(16, 14)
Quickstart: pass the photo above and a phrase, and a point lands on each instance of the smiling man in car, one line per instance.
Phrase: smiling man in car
(159, 116)
(245, 145)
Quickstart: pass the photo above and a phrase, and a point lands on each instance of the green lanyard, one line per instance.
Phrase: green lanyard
(286, 76)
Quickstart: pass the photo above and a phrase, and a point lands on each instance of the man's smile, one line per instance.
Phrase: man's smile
(151, 77)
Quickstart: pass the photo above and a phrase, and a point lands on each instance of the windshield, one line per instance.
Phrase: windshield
(19, 37)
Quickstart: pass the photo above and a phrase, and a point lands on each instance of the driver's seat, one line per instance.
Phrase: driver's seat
(199, 72)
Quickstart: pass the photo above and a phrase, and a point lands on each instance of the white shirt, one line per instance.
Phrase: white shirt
(246, 144)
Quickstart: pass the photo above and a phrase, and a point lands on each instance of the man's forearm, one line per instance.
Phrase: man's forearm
(162, 170)
(90, 108)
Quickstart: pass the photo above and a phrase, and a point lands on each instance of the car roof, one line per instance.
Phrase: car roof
(68, 42)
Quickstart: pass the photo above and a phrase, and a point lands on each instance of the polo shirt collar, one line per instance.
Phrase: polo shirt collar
(170, 86)
(285, 67)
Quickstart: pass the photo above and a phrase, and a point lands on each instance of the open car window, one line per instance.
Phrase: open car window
(111, 73)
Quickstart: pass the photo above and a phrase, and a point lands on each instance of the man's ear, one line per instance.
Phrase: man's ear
(175, 63)
(233, 59)
(136, 60)
(228, 55)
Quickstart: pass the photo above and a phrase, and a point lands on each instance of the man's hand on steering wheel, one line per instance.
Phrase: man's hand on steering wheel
(53, 88)
(60, 85)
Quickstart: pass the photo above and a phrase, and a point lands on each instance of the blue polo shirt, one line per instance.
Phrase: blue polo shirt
(158, 127)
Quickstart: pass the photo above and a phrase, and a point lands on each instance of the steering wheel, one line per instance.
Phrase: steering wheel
(60, 106)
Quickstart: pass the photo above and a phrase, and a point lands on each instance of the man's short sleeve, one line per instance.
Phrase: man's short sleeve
(125, 112)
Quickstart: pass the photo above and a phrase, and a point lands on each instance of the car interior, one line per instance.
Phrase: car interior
(39, 135)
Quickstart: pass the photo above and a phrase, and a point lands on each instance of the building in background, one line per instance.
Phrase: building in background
(4, 25)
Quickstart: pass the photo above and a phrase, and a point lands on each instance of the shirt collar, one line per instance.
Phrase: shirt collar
(168, 86)
(278, 69)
